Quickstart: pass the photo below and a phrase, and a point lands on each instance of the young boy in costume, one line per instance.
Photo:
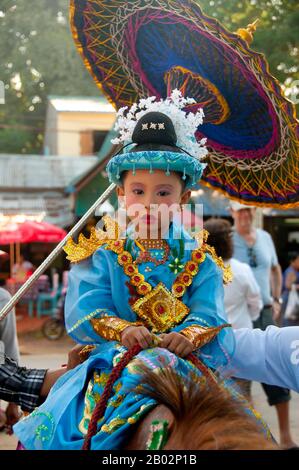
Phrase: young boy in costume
(126, 290)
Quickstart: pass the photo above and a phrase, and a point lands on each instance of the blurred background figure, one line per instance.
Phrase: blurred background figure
(9, 347)
(242, 298)
(255, 247)
(290, 293)
(22, 270)
(54, 327)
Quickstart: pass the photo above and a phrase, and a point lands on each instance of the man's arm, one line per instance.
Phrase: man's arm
(276, 287)
(276, 281)
(8, 328)
(270, 356)
(20, 385)
(27, 387)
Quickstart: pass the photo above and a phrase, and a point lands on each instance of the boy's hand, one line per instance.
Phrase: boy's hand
(177, 343)
(136, 335)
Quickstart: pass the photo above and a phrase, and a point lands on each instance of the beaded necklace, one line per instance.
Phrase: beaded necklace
(182, 281)
(145, 255)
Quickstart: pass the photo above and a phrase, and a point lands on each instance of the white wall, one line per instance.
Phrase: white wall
(70, 126)
(50, 143)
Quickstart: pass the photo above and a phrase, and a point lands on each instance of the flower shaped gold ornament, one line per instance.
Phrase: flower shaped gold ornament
(160, 310)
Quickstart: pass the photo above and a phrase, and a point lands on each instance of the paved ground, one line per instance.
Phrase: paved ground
(38, 352)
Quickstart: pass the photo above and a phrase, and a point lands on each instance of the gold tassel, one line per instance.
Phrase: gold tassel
(247, 33)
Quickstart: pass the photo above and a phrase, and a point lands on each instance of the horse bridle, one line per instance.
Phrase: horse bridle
(159, 429)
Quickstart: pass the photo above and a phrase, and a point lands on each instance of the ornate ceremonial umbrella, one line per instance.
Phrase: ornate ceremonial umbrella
(140, 48)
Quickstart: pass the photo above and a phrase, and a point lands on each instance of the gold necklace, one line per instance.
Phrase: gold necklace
(148, 244)
(182, 281)
(158, 307)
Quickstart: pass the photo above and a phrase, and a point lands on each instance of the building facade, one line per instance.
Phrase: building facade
(77, 126)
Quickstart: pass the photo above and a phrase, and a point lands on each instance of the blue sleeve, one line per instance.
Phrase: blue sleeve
(270, 356)
(89, 296)
(206, 304)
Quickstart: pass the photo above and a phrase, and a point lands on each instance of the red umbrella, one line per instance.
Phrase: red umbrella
(30, 231)
(42, 232)
(10, 233)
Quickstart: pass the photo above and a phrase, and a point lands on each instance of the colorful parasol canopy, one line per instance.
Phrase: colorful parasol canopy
(140, 48)
(30, 231)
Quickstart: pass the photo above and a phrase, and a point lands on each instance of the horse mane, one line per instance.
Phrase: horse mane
(206, 416)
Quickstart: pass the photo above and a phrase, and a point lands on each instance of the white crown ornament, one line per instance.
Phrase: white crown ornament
(185, 123)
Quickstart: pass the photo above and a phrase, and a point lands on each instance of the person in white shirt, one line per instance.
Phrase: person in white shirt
(10, 346)
(242, 297)
(255, 247)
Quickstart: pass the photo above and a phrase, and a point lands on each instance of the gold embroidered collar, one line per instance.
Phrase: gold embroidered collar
(87, 246)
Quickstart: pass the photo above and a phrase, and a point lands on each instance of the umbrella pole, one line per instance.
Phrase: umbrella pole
(12, 258)
(18, 252)
(52, 256)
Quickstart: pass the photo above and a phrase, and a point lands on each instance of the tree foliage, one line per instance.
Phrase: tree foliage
(277, 35)
(38, 57)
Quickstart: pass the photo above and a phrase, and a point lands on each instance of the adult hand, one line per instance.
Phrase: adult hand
(74, 356)
(74, 359)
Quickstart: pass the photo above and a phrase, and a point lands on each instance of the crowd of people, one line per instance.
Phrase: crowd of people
(257, 297)
(162, 298)
(258, 294)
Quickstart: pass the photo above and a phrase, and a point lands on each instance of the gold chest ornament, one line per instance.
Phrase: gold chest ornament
(159, 308)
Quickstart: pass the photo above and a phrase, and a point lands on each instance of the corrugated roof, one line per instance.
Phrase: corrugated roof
(70, 104)
(56, 208)
(42, 172)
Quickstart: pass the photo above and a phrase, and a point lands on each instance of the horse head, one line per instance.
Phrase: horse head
(195, 414)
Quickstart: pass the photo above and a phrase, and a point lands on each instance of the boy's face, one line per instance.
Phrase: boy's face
(151, 199)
